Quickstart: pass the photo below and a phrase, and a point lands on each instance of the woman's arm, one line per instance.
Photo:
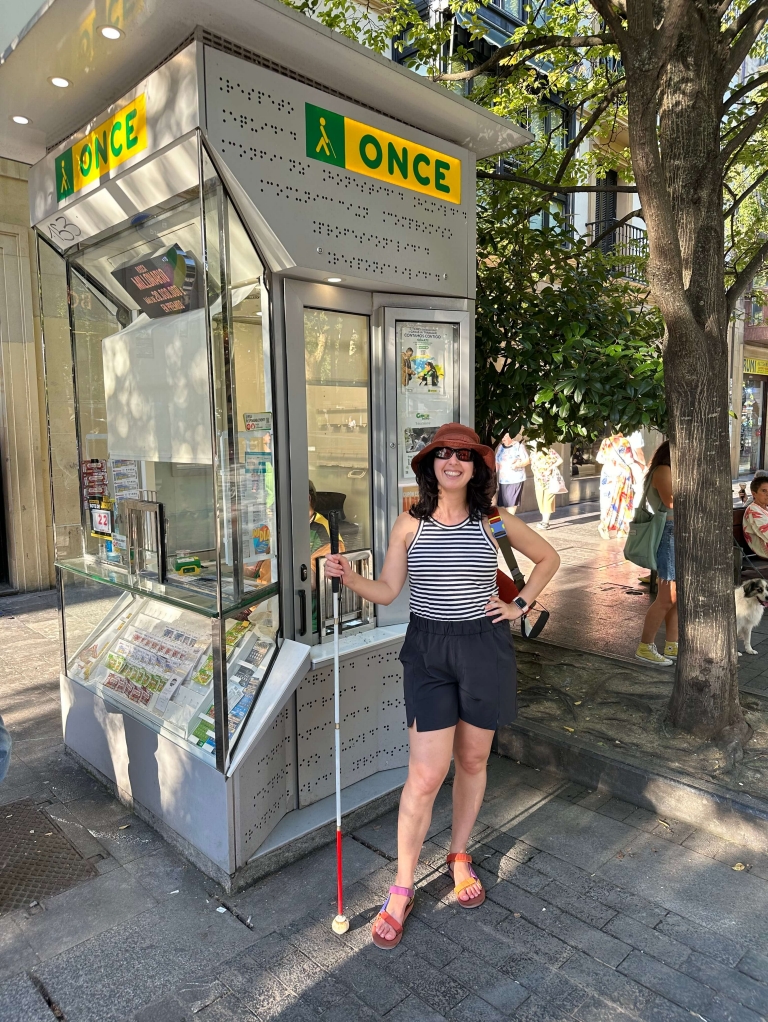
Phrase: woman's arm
(386, 588)
(662, 480)
(545, 558)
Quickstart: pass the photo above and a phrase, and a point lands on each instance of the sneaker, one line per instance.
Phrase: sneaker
(543, 525)
(647, 651)
(670, 650)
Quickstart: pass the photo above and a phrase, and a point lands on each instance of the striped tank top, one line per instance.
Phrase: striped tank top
(451, 570)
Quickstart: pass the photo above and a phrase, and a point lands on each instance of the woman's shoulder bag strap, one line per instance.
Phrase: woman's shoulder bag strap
(501, 537)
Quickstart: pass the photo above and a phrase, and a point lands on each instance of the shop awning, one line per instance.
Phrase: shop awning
(64, 40)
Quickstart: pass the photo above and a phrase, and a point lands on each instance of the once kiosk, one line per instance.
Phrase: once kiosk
(257, 273)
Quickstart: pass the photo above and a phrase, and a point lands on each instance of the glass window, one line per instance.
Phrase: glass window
(753, 398)
(338, 414)
(158, 369)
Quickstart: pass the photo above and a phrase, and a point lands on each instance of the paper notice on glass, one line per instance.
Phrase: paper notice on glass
(426, 393)
(424, 349)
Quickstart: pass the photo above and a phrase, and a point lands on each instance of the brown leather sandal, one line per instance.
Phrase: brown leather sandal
(478, 900)
(377, 939)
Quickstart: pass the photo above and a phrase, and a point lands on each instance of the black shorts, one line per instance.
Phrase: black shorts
(458, 670)
(511, 494)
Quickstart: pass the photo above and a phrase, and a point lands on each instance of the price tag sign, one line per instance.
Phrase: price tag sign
(101, 522)
(257, 421)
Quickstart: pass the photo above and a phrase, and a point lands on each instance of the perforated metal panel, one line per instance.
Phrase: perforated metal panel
(265, 782)
(373, 731)
(324, 217)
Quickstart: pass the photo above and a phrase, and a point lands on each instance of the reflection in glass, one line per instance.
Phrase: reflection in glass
(338, 416)
(751, 424)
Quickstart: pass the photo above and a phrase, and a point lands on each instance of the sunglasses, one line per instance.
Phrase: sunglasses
(462, 453)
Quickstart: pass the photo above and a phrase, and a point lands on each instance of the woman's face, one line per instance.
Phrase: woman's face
(453, 475)
(761, 496)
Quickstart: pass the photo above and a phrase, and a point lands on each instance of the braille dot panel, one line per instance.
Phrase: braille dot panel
(326, 217)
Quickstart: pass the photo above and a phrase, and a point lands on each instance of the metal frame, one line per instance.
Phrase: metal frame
(297, 296)
(389, 313)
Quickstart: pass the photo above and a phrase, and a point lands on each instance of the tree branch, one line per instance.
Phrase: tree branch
(529, 182)
(745, 277)
(612, 14)
(739, 94)
(614, 225)
(746, 132)
(740, 37)
(587, 126)
(745, 195)
(540, 44)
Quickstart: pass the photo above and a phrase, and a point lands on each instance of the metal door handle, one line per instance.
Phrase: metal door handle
(302, 611)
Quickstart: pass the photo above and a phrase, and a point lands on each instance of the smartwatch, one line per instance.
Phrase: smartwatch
(520, 602)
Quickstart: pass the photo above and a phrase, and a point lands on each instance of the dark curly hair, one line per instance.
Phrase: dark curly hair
(480, 489)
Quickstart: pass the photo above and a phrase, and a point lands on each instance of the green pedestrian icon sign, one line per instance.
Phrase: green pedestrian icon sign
(325, 135)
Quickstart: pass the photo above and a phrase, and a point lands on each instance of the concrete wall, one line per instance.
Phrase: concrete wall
(23, 434)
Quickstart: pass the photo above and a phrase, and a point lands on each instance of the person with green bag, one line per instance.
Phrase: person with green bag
(651, 544)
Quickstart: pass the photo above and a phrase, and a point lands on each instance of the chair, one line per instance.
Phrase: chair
(329, 500)
(746, 562)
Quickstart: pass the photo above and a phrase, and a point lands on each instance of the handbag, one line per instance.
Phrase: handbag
(508, 587)
(556, 483)
(645, 532)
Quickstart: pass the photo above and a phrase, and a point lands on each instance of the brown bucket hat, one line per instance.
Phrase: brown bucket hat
(453, 434)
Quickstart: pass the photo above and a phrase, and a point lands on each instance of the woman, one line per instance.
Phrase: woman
(664, 607)
(458, 658)
(511, 461)
(544, 461)
(622, 467)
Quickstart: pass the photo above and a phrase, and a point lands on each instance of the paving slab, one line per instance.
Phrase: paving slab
(274, 902)
(82, 912)
(110, 977)
(706, 891)
(574, 834)
(21, 1001)
(16, 954)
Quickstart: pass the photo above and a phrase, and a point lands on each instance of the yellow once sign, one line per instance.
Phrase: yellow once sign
(344, 142)
(113, 142)
(386, 157)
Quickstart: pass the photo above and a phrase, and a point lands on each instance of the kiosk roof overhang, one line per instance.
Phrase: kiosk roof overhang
(63, 40)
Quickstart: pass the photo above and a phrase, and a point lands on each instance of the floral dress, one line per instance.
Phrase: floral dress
(617, 487)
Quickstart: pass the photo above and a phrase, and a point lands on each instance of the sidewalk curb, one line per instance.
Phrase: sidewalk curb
(736, 817)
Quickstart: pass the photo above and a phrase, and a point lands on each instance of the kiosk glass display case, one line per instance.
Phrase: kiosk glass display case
(166, 548)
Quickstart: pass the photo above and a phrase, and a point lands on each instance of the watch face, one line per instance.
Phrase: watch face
(520, 602)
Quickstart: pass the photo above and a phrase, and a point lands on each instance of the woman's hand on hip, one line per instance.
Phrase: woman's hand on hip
(497, 610)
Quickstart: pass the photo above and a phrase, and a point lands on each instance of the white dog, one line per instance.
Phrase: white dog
(751, 601)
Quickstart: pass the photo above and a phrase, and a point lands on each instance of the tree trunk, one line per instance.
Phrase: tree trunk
(677, 165)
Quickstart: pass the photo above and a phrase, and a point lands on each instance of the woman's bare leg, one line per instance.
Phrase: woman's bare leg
(671, 616)
(471, 748)
(657, 611)
(430, 757)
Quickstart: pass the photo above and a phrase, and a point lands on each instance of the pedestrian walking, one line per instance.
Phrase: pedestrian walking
(622, 470)
(545, 462)
(511, 461)
(458, 659)
(664, 607)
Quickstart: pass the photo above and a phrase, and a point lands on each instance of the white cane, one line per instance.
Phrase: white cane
(340, 924)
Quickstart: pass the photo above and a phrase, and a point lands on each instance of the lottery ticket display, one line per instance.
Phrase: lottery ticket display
(157, 660)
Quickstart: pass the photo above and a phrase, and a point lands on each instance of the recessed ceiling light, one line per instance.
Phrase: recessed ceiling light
(60, 83)
(110, 32)
(19, 119)
(333, 280)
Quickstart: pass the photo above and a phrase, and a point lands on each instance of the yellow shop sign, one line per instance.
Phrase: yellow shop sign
(113, 142)
(756, 366)
(343, 142)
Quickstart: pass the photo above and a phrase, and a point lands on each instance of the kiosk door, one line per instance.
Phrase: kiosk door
(328, 342)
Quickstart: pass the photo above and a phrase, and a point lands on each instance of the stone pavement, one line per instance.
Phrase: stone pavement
(596, 911)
